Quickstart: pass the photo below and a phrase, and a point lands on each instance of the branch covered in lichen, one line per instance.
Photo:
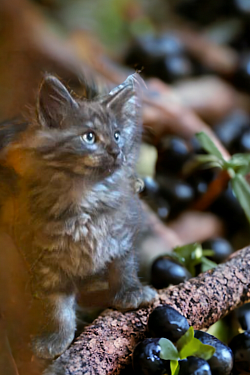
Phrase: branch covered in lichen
(105, 347)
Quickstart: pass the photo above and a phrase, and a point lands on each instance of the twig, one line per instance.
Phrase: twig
(215, 188)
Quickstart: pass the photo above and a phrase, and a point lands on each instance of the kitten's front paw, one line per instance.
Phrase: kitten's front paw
(51, 345)
(130, 300)
(54, 369)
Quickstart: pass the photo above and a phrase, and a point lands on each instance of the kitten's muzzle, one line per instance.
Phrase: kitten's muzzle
(114, 153)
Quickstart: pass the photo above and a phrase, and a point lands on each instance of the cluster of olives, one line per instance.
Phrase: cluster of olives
(166, 322)
(175, 187)
(165, 56)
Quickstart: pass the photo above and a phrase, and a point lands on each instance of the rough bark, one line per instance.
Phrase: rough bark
(105, 347)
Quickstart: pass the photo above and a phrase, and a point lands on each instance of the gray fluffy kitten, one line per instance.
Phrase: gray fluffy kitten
(78, 215)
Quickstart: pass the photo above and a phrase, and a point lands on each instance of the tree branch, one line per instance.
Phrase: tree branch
(105, 347)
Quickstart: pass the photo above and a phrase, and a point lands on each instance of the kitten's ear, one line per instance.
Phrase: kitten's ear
(125, 99)
(54, 102)
(125, 102)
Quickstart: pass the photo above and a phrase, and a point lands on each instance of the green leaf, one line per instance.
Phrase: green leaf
(207, 264)
(242, 191)
(208, 252)
(174, 367)
(200, 162)
(209, 145)
(238, 160)
(191, 253)
(185, 339)
(168, 350)
(221, 331)
(240, 163)
(197, 349)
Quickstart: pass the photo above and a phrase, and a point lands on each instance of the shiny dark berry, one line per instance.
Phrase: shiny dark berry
(166, 270)
(194, 366)
(167, 44)
(146, 358)
(150, 49)
(173, 152)
(203, 12)
(151, 187)
(199, 184)
(243, 315)
(242, 6)
(242, 77)
(228, 208)
(165, 321)
(221, 247)
(221, 363)
(173, 68)
(230, 129)
(244, 142)
(240, 346)
(151, 195)
(177, 192)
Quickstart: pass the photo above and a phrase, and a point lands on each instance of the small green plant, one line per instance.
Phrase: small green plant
(237, 167)
(191, 255)
(185, 347)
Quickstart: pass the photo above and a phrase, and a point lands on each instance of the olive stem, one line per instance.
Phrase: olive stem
(215, 188)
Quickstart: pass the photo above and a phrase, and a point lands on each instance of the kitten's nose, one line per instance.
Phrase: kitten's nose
(114, 152)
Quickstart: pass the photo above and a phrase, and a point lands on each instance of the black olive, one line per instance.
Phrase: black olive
(194, 366)
(151, 48)
(166, 270)
(242, 6)
(173, 68)
(230, 129)
(221, 363)
(146, 358)
(177, 192)
(173, 152)
(240, 346)
(244, 142)
(165, 321)
(243, 315)
(203, 12)
(151, 187)
(242, 76)
(199, 184)
(228, 208)
(151, 195)
(221, 247)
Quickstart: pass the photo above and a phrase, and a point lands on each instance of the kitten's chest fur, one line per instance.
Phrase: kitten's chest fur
(79, 239)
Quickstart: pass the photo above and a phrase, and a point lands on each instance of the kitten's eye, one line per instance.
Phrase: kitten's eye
(117, 136)
(89, 138)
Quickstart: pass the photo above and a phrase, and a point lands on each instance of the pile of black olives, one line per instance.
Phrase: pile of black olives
(174, 187)
(166, 322)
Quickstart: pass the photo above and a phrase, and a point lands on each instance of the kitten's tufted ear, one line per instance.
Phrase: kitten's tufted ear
(125, 101)
(54, 102)
(126, 98)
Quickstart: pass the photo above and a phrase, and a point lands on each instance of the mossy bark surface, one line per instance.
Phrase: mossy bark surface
(106, 346)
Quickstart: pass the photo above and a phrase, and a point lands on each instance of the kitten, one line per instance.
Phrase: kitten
(78, 216)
